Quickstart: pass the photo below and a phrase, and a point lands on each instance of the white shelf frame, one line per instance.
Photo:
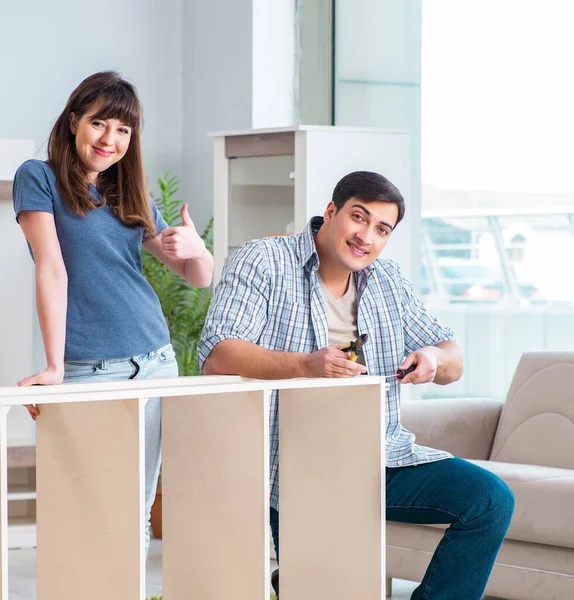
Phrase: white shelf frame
(90, 475)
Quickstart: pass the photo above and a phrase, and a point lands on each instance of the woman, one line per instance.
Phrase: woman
(86, 213)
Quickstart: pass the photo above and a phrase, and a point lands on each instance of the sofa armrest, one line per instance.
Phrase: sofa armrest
(464, 427)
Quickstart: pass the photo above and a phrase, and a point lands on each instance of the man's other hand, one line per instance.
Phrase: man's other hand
(332, 362)
(426, 363)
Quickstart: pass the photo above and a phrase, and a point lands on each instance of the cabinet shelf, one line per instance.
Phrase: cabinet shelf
(273, 181)
(21, 492)
(21, 496)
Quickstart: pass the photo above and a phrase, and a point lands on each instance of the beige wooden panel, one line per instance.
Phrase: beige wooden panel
(331, 498)
(256, 144)
(3, 506)
(90, 494)
(215, 483)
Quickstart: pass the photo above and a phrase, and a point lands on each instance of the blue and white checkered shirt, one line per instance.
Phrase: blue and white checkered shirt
(270, 294)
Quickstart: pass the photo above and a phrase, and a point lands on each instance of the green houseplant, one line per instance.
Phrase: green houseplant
(184, 307)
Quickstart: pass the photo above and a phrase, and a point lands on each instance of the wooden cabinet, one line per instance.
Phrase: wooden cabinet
(272, 181)
(21, 494)
(17, 322)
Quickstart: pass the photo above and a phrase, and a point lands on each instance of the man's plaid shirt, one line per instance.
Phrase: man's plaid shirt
(269, 294)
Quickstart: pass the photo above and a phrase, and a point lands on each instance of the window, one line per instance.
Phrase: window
(497, 181)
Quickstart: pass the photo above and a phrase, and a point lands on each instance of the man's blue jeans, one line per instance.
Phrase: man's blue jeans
(475, 503)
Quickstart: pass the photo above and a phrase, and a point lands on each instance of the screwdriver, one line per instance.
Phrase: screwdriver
(402, 373)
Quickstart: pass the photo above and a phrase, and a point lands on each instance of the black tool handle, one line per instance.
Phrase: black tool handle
(402, 373)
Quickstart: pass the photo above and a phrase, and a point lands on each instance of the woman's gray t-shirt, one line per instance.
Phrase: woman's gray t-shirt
(113, 311)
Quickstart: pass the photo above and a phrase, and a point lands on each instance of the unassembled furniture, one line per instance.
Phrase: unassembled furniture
(90, 488)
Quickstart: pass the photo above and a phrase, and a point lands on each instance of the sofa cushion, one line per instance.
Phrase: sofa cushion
(464, 427)
(536, 426)
(544, 507)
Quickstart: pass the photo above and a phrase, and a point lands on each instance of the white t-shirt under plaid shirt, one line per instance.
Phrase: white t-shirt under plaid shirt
(270, 294)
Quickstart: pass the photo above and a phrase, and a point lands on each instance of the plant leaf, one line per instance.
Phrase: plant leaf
(184, 307)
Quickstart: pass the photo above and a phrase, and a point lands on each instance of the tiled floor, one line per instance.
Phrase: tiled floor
(402, 590)
(22, 575)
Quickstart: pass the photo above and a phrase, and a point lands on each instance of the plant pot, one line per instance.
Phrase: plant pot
(156, 515)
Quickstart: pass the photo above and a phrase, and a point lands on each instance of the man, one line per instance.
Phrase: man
(283, 307)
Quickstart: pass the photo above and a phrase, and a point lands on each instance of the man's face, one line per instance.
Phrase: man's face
(357, 234)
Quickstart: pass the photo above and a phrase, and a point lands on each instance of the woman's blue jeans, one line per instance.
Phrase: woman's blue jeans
(154, 365)
(476, 504)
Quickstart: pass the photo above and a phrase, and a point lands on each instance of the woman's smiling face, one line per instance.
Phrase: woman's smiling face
(100, 143)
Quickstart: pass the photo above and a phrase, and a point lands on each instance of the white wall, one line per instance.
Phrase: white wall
(217, 80)
(274, 64)
(47, 48)
(239, 68)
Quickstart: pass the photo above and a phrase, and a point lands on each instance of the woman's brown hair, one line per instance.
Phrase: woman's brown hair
(123, 185)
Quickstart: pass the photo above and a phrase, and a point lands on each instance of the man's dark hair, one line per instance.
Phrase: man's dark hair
(368, 187)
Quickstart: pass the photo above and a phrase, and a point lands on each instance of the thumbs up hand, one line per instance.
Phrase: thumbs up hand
(185, 218)
(182, 242)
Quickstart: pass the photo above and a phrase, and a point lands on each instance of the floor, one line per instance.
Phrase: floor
(402, 590)
(22, 575)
